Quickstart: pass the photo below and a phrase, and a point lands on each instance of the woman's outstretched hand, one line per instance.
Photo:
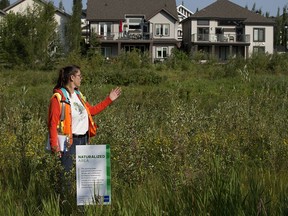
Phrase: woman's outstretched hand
(115, 93)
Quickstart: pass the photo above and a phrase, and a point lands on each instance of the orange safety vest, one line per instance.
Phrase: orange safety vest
(65, 122)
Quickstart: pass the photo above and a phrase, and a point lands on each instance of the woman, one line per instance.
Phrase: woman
(71, 115)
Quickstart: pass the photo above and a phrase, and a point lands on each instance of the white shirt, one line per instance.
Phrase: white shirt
(79, 115)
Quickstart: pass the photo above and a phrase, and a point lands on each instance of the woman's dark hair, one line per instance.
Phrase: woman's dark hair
(64, 75)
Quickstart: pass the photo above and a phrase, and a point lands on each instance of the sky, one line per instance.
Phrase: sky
(270, 6)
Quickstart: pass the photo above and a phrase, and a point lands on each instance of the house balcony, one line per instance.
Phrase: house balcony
(130, 35)
(221, 38)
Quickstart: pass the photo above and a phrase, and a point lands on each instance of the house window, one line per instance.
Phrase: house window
(229, 23)
(93, 30)
(162, 29)
(130, 48)
(258, 49)
(106, 51)
(134, 23)
(202, 22)
(105, 29)
(161, 52)
(203, 34)
(259, 35)
(145, 27)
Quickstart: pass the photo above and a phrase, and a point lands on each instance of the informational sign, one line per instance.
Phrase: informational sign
(93, 174)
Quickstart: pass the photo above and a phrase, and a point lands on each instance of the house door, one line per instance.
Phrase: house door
(219, 33)
(105, 29)
(223, 53)
(240, 34)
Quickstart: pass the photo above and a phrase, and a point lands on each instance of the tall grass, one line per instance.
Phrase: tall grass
(202, 140)
(217, 191)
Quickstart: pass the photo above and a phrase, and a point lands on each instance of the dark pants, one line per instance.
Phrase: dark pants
(68, 158)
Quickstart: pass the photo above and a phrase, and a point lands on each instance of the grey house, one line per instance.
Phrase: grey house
(125, 25)
(224, 29)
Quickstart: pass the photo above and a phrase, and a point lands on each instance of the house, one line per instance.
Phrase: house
(183, 13)
(134, 24)
(281, 33)
(2, 14)
(84, 26)
(224, 29)
(61, 17)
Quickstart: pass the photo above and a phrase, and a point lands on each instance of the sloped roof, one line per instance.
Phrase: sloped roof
(40, 1)
(225, 9)
(2, 13)
(117, 9)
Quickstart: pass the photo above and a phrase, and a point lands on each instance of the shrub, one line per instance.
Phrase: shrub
(132, 76)
(258, 63)
(278, 64)
(133, 59)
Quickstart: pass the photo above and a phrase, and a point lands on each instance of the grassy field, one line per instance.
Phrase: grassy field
(186, 138)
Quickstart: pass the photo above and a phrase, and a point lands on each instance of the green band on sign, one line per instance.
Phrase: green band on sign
(108, 170)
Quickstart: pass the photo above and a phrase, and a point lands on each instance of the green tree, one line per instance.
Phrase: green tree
(74, 27)
(284, 28)
(61, 6)
(277, 29)
(254, 7)
(4, 4)
(29, 39)
(93, 48)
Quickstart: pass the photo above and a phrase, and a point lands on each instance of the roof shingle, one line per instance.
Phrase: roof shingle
(117, 9)
(225, 9)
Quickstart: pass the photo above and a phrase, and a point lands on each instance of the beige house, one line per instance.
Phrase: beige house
(60, 16)
(134, 24)
(225, 29)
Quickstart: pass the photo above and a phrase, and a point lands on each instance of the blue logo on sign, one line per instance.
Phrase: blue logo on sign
(106, 198)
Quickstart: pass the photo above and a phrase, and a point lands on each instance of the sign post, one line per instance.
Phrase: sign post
(93, 174)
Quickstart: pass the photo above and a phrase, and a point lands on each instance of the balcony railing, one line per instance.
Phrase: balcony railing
(228, 38)
(126, 36)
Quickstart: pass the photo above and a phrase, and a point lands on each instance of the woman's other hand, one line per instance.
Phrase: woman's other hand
(115, 93)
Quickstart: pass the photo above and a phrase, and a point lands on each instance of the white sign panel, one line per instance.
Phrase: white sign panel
(93, 174)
